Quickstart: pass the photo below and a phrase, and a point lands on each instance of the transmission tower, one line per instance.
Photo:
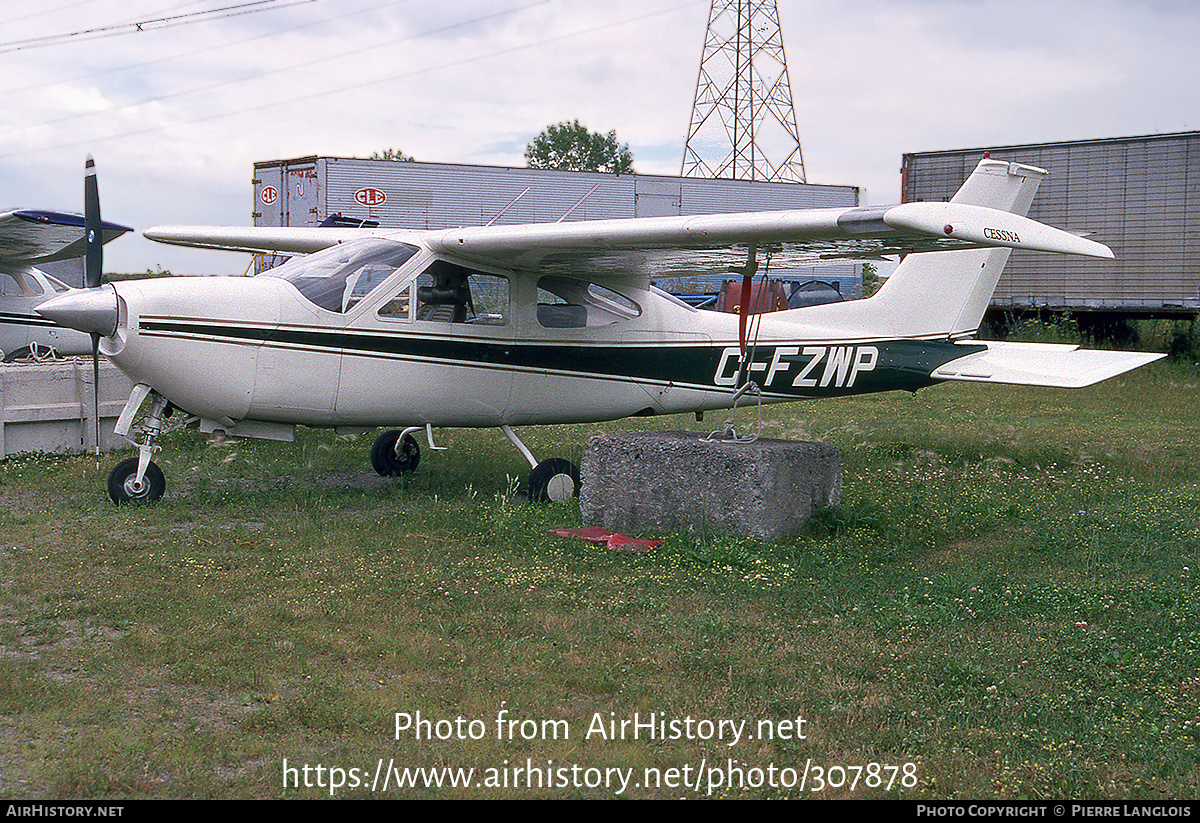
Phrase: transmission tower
(743, 124)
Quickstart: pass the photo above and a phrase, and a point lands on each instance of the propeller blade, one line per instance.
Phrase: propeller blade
(93, 267)
(93, 259)
(96, 392)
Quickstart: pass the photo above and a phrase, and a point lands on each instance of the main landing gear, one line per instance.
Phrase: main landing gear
(395, 453)
(554, 480)
(140, 480)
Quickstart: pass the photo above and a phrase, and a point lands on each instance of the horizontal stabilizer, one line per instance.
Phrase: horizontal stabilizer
(1041, 364)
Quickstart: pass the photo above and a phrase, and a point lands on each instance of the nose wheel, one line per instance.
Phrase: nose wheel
(139, 479)
(124, 485)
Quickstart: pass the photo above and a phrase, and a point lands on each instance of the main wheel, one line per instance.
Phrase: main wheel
(392, 462)
(554, 480)
(123, 488)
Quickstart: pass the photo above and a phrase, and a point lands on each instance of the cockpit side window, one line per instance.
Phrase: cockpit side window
(337, 278)
(450, 293)
(363, 282)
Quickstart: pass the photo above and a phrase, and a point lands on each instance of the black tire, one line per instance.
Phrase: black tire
(120, 484)
(385, 460)
(554, 480)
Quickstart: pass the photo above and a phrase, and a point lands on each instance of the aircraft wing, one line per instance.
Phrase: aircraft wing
(661, 245)
(665, 245)
(1041, 364)
(261, 240)
(29, 236)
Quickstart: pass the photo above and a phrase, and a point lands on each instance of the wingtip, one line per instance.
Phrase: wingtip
(1091, 248)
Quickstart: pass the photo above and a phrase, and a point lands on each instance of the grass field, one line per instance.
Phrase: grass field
(1004, 605)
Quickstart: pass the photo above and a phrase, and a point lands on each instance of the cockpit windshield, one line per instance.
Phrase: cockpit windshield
(338, 277)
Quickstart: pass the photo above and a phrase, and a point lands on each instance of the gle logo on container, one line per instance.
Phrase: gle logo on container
(370, 197)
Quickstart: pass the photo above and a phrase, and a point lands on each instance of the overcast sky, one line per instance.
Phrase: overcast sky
(177, 114)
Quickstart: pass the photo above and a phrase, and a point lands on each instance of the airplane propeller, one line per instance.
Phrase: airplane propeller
(93, 267)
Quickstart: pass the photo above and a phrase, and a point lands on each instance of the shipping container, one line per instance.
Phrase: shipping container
(410, 195)
(1138, 195)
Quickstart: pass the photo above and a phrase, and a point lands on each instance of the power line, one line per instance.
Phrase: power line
(91, 75)
(365, 84)
(172, 7)
(356, 52)
(147, 25)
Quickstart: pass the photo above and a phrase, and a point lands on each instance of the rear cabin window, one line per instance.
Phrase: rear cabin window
(566, 303)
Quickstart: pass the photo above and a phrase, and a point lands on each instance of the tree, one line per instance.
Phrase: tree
(870, 279)
(571, 147)
(391, 154)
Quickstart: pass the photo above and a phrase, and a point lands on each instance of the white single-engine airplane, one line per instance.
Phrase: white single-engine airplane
(557, 323)
(28, 238)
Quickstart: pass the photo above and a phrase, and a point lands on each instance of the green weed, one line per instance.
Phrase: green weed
(1005, 598)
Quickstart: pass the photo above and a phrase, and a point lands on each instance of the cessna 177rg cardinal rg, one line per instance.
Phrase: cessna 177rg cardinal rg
(503, 326)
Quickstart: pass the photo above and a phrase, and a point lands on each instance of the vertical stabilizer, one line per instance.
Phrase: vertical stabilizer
(944, 294)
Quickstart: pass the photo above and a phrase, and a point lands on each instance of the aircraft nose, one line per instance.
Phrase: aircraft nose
(89, 310)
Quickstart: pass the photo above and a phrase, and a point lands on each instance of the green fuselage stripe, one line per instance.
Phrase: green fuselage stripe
(803, 369)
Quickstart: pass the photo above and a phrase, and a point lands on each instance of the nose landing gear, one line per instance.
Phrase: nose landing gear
(138, 479)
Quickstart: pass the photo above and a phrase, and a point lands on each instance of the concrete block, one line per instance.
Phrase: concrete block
(669, 481)
(47, 407)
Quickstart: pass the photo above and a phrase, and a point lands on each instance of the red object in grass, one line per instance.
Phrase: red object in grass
(603, 537)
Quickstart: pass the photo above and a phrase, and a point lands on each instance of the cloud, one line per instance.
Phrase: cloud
(177, 117)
